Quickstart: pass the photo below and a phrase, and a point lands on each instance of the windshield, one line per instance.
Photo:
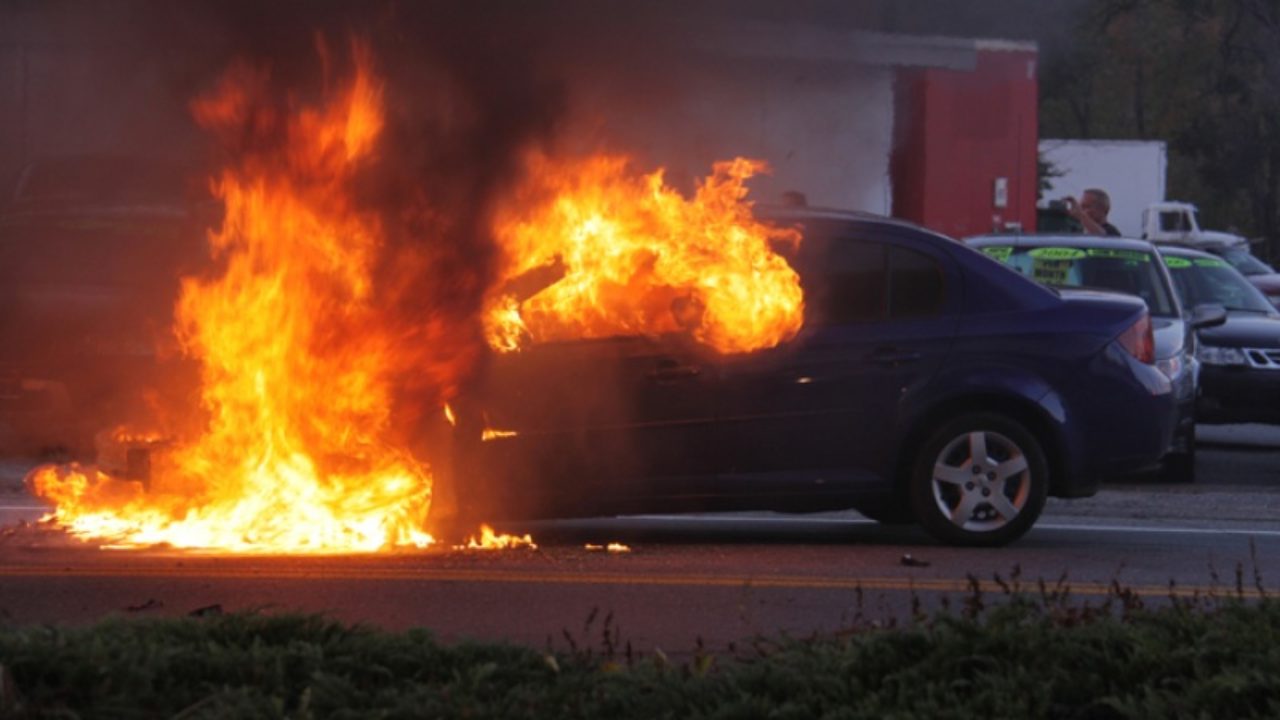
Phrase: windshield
(1202, 281)
(1244, 261)
(1136, 272)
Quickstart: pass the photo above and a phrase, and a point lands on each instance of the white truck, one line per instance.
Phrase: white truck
(1176, 222)
(1132, 172)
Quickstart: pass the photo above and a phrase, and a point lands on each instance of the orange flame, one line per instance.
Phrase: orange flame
(637, 257)
(297, 358)
(489, 434)
(296, 365)
(490, 540)
(613, 547)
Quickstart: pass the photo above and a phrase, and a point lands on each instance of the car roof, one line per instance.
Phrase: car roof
(1070, 240)
(1208, 245)
(805, 212)
(1184, 251)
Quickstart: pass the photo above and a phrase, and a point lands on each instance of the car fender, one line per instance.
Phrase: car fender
(1006, 388)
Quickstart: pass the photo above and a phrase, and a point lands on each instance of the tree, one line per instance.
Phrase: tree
(1233, 136)
(1204, 75)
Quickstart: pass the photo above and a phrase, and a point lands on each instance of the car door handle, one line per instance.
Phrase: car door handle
(671, 371)
(894, 356)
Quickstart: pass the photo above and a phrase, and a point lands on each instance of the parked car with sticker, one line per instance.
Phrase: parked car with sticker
(1240, 359)
(1258, 273)
(1128, 266)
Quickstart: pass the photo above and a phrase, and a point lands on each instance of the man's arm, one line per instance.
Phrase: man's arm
(1090, 225)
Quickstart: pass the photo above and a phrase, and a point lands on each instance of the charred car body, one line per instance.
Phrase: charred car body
(929, 382)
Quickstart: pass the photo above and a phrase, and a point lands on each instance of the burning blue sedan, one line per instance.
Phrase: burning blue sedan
(930, 383)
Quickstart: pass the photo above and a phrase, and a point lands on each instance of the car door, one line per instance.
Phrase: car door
(821, 412)
(576, 426)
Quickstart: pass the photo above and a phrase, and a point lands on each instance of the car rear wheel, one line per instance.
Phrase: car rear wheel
(980, 479)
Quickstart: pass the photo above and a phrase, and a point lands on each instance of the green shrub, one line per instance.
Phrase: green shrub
(1032, 655)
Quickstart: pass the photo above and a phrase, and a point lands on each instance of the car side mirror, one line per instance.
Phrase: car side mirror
(1207, 316)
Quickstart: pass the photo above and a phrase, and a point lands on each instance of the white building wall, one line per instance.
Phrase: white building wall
(827, 134)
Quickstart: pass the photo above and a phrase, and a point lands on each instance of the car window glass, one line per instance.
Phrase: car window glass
(1173, 222)
(916, 284)
(845, 283)
(1245, 262)
(1211, 281)
(1135, 272)
(1043, 267)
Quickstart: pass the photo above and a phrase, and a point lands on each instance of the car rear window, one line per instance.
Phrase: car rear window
(1136, 272)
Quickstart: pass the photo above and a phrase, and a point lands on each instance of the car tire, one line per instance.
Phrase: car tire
(990, 502)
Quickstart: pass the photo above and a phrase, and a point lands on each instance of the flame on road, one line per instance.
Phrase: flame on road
(613, 547)
(295, 362)
(490, 540)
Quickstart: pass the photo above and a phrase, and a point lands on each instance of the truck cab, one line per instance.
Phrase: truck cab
(1176, 223)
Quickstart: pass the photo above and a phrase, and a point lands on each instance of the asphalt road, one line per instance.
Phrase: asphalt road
(713, 580)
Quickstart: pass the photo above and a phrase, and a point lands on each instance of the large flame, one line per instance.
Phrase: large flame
(296, 362)
(298, 359)
(635, 256)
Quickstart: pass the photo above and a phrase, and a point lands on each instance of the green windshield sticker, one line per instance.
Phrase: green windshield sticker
(1056, 253)
(1179, 263)
(999, 252)
(1210, 262)
(1130, 255)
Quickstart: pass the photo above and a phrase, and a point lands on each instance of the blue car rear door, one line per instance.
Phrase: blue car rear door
(822, 412)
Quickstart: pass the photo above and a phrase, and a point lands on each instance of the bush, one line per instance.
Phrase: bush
(1032, 655)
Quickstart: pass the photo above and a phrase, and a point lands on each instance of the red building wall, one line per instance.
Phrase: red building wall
(958, 132)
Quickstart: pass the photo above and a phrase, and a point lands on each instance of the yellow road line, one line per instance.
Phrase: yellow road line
(780, 582)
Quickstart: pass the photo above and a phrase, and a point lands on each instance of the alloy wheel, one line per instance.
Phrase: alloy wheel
(981, 481)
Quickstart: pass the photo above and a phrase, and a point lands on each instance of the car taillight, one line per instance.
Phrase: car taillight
(1139, 341)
